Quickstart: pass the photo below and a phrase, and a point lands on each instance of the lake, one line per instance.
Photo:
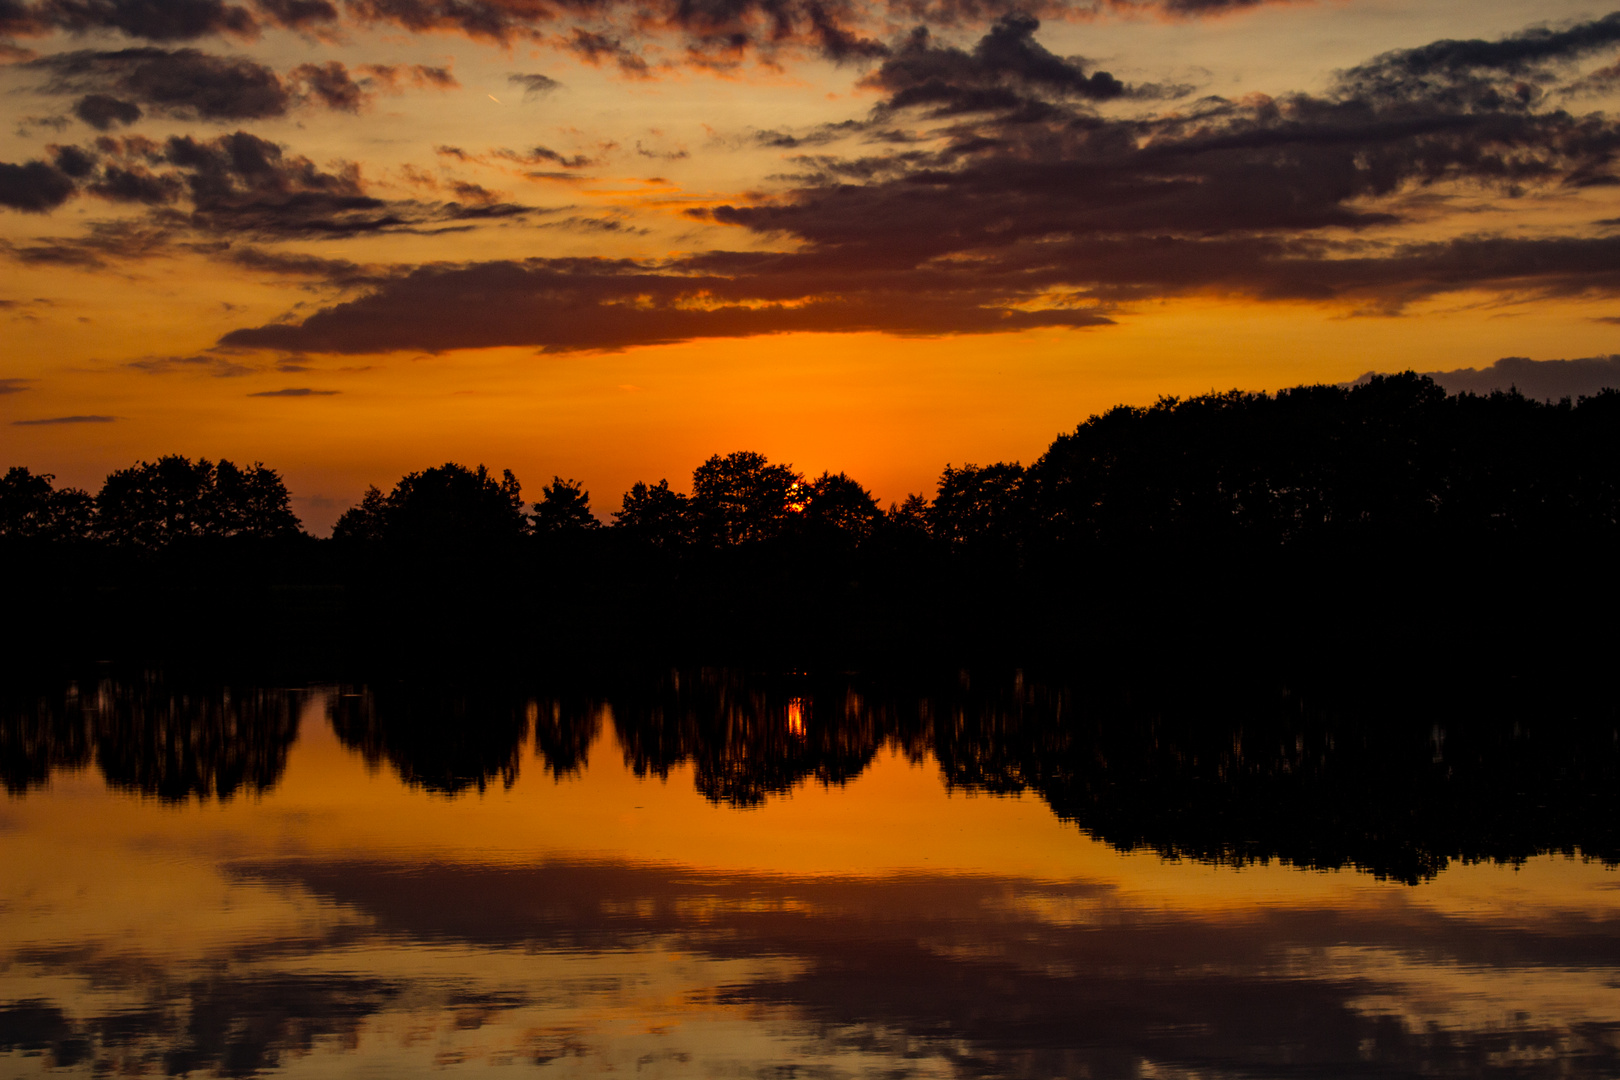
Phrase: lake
(714, 873)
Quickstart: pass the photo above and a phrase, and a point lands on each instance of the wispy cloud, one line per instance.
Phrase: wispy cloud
(295, 391)
(89, 419)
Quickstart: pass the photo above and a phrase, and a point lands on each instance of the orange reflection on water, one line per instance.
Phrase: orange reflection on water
(603, 920)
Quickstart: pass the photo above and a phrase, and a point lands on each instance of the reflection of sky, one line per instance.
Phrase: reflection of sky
(341, 923)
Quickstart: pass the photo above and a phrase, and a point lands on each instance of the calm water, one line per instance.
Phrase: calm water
(707, 875)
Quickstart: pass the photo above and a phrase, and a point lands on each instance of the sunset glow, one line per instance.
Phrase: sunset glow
(609, 240)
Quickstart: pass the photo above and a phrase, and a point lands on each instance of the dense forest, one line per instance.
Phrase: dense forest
(1388, 511)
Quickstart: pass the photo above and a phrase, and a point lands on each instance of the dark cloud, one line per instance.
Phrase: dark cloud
(537, 156)
(153, 20)
(300, 391)
(1547, 380)
(104, 113)
(714, 33)
(298, 14)
(570, 304)
(73, 160)
(34, 187)
(391, 76)
(102, 241)
(65, 420)
(191, 84)
(330, 84)
(162, 20)
(243, 185)
(594, 48)
(14, 386)
(236, 185)
(136, 185)
(1518, 54)
(340, 273)
(533, 84)
(1007, 70)
(185, 83)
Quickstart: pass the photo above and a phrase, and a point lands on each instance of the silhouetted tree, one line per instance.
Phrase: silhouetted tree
(742, 497)
(979, 504)
(249, 502)
(365, 522)
(564, 507)
(31, 509)
(450, 506)
(910, 515)
(655, 515)
(839, 503)
(153, 504)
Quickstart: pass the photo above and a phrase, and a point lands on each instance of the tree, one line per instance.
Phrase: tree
(839, 503)
(364, 523)
(249, 502)
(910, 515)
(656, 515)
(450, 506)
(30, 508)
(564, 507)
(153, 504)
(979, 504)
(742, 497)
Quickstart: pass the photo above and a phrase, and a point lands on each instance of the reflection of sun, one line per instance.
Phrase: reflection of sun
(795, 717)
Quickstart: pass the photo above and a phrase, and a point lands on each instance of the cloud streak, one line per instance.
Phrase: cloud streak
(1030, 208)
(86, 419)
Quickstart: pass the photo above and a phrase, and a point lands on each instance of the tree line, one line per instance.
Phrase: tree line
(1393, 459)
(150, 505)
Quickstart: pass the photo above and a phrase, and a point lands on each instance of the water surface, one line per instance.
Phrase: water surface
(704, 874)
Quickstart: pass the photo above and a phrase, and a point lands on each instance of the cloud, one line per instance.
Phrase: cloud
(189, 84)
(34, 187)
(237, 185)
(218, 366)
(533, 85)
(184, 83)
(153, 20)
(103, 112)
(65, 420)
(595, 48)
(330, 84)
(572, 304)
(1007, 70)
(300, 391)
(14, 386)
(1547, 380)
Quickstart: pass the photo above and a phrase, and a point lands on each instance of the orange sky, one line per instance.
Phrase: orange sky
(851, 248)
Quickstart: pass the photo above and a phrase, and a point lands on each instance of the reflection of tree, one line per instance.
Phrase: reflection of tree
(441, 738)
(1254, 779)
(176, 743)
(738, 735)
(564, 729)
(152, 737)
(42, 734)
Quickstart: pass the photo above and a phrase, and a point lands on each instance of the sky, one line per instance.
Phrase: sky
(605, 239)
